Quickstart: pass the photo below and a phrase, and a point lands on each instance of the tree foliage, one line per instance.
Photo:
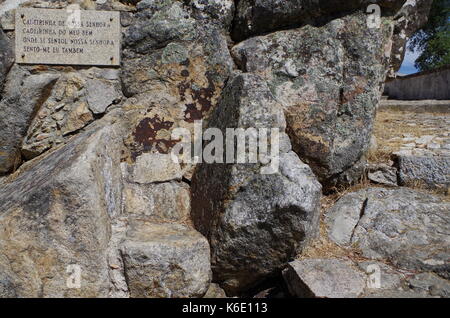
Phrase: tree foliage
(433, 39)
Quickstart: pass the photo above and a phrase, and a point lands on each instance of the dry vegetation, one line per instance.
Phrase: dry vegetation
(391, 126)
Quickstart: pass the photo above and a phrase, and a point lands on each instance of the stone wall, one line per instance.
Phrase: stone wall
(87, 176)
(424, 85)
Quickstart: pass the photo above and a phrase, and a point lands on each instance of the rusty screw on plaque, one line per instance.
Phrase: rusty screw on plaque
(111, 19)
(22, 15)
(23, 56)
(111, 58)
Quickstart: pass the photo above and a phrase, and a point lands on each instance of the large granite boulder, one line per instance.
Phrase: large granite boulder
(175, 64)
(76, 206)
(406, 227)
(328, 80)
(256, 17)
(255, 222)
(56, 216)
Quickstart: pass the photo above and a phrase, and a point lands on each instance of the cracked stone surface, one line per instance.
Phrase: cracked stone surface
(408, 228)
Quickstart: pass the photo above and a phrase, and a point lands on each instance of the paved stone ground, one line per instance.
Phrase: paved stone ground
(422, 106)
(412, 133)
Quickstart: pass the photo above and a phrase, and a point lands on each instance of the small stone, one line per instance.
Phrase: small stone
(100, 95)
(383, 174)
(328, 278)
(165, 260)
(432, 171)
(215, 291)
(155, 167)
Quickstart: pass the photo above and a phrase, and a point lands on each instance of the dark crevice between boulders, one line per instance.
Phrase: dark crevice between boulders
(272, 286)
(361, 214)
(124, 269)
(396, 164)
(186, 180)
(309, 17)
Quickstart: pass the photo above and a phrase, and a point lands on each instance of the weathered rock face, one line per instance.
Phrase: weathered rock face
(336, 277)
(6, 58)
(166, 260)
(78, 214)
(328, 81)
(41, 109)
(158, 202)
(23, 95)
(254, 222)
(215, 291)
(432, 171)
(431, 283)
(220, 12)
(255, 17)
(71, 104)
(383, 174)
(406, 227)
(88, 185)
(330, 278)
(56, 212)
(176, 63)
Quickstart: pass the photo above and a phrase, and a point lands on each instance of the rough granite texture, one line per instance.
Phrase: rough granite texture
(254, 222)
(165, 260)
(408, 228)
(87, 178)
(256, 17)
(432, 171)
(324, 278)
(328, 81)
(57, 212)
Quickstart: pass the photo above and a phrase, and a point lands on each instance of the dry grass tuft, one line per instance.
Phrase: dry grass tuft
(442, 192)
(323, 247)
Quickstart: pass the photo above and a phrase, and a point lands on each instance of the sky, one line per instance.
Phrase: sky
(408, 63)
